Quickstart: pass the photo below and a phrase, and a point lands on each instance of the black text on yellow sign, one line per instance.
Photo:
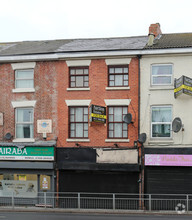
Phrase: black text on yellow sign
(98, 116)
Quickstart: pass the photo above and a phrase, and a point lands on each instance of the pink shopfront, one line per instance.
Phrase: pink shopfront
(168, 171)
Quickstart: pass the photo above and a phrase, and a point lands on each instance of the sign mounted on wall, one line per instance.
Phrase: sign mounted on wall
(27, 153)
(98, 114)
(1, 118)
(168, 160)
(183, 85)
(44, 126)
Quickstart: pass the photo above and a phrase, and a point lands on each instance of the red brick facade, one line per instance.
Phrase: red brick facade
(51, 80)
(98, 80)
(45, 95)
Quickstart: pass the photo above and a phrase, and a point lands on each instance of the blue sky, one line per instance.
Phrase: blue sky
(23, 20)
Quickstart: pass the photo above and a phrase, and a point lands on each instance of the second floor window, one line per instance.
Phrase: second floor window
(116, 127)
(79, 77)
(161, 120)
(78, 122)
(24, 78)
(24, 122)
(118, 75)
(161, 74)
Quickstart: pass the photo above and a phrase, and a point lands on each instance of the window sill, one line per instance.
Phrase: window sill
(117, 140)
(118, 88)
(77, 140)
(23, 90)
(24, 140)
(161, 142)
(78, 89)
(152, 88)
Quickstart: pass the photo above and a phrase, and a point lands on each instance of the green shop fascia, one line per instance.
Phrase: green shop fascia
(26, 165)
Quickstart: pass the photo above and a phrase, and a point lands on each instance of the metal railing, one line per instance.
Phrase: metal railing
(103, 201)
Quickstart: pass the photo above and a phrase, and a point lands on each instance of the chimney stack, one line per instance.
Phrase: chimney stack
(154, 31)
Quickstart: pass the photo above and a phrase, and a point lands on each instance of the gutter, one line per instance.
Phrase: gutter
(73, 55)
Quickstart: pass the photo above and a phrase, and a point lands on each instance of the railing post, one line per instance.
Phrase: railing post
(150, 202)
(45, 200)
(79, 202)
(113, 201)
(187, 202)
(13, 205)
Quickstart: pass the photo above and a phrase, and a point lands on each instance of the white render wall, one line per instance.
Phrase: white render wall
(164, 95)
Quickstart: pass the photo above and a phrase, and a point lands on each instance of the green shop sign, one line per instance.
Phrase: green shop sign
(27, 153)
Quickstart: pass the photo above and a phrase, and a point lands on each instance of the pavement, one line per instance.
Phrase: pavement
(95, 211)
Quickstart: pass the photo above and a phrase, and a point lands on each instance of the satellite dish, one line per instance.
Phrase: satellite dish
(142, 138)
(8, 136)
(176, 125)
(128, 118)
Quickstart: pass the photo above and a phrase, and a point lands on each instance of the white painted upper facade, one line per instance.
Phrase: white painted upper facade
(163, 95)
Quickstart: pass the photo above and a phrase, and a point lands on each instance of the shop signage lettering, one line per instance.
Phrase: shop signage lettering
(168, 160)
(27, 153)
(13, 151)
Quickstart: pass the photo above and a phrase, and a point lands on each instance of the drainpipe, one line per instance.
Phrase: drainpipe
(140, 148)
(139, 90)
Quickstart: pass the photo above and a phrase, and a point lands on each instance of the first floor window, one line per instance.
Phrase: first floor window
(24, 78)
(116, 127)
(78, 122)
(24, 122)
(161, 121)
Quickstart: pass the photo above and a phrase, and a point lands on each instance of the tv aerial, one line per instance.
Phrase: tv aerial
(176, 125)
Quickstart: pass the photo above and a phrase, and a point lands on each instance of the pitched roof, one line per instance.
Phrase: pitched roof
(165, 41)
(73, 45)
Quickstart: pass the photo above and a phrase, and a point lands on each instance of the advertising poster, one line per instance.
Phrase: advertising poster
(19, 188)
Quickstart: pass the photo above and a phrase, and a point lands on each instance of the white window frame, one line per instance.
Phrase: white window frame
(24, 104)
(162, 84)
(31, 123)
(166, 123)
(23, 66)
(22, 79)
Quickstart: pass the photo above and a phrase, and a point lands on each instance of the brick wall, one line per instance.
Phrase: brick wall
(51, 81)
(45, 94)
(98, 79)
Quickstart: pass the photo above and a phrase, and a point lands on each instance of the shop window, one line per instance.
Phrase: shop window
(118, 75)
(78, 122)
(161, 119)
(22, 185)
(162, 74)
(116, 127)
(79, 77)
(24, 123)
